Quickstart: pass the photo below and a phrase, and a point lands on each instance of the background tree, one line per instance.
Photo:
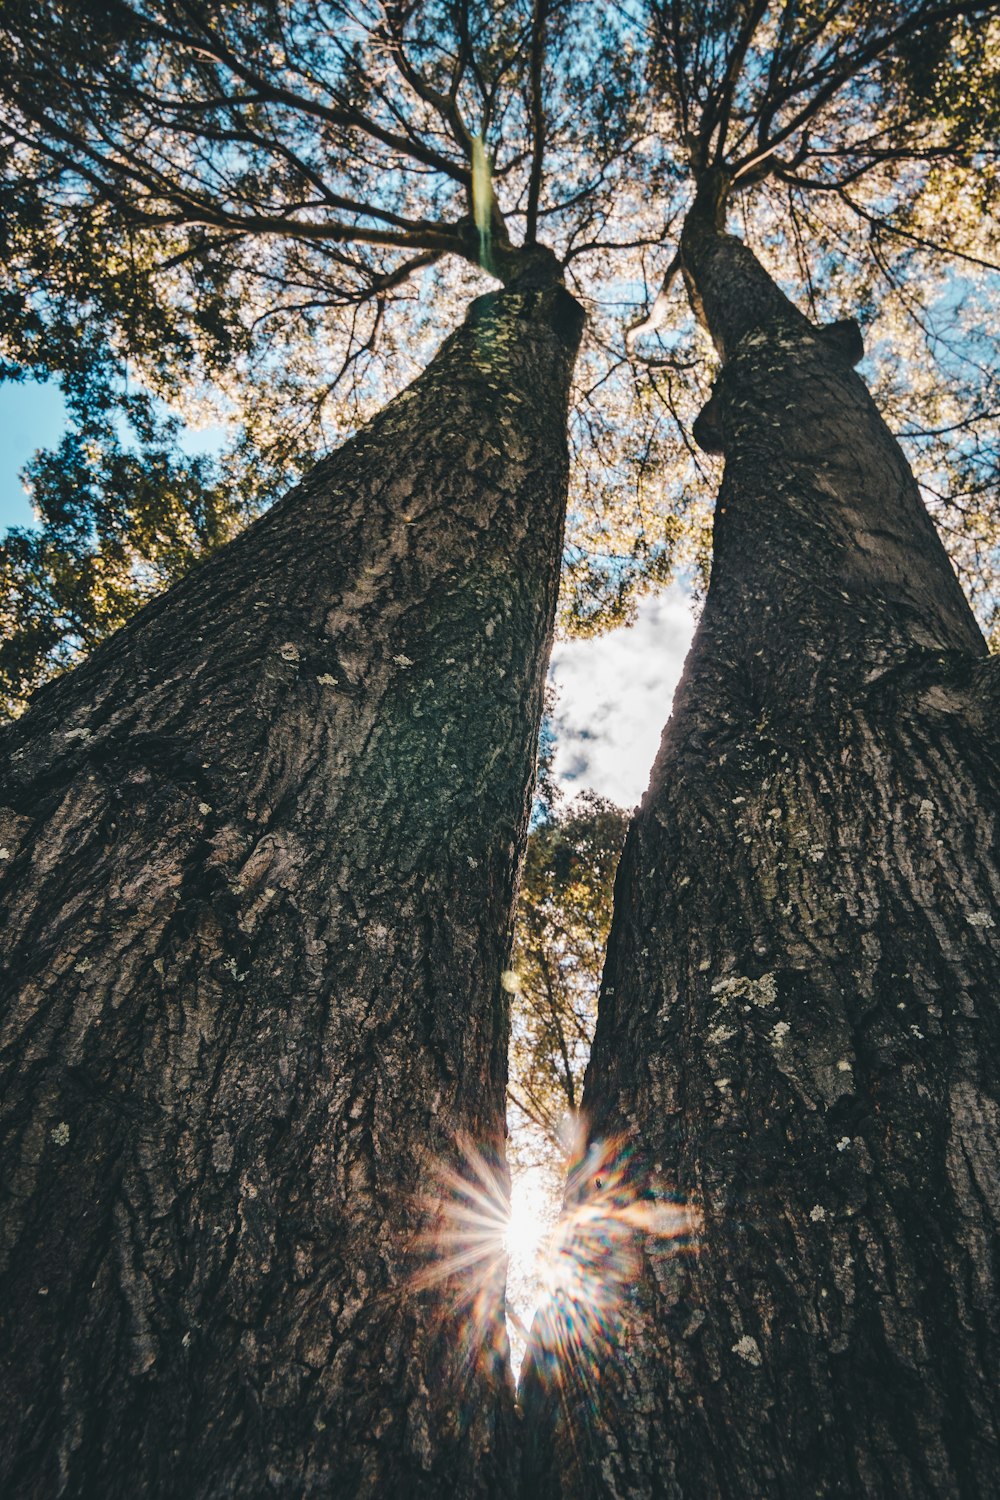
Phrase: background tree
(562, 920)
(121, 513)
(796, 1029)
(563, 916)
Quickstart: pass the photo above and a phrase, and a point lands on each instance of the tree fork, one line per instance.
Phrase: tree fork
(258, 863)
(798, 1028)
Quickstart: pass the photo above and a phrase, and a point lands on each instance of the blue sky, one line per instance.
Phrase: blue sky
(32, 415)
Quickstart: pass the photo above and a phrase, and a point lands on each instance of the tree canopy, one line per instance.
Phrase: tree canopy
(265, 212)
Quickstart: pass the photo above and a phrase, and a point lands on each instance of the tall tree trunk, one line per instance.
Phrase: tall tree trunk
(799, 1031)
(258, 861)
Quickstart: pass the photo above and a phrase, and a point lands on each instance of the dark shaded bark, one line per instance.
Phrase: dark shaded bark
(259, 856)
(799, 1028)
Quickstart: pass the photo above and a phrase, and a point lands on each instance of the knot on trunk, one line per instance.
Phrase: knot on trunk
(844, 337)
(707, 428)
(528, 267)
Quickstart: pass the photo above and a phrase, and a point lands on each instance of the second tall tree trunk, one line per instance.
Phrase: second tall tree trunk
(258, 860)
(799, 1031)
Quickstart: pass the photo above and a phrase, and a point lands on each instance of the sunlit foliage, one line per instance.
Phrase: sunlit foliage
(563, 918)
(121, 513)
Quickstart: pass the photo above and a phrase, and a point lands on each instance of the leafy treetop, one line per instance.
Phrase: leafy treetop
(266, 212)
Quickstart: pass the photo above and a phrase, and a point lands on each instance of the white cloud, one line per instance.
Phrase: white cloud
(615, 694)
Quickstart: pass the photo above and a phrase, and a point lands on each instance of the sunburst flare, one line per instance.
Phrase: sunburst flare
(582, 1263)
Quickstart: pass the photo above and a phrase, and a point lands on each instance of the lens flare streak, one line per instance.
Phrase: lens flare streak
(614, 1208)
(584, 1264)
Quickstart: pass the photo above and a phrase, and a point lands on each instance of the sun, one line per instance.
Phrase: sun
(527, 1220)
(567, 1250)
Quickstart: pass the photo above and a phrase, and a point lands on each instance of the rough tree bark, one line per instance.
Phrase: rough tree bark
(258, 861)
(799, 1027)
